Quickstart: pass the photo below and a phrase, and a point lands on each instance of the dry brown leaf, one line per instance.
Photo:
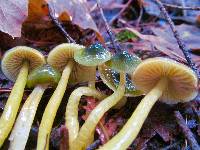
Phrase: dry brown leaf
(78, 12)
(36, 10)
(12, 15)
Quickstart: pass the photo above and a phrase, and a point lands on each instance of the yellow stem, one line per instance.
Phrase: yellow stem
(20, 132)
(92, 82)
(51, 109)
(129, 132)
(10, 111)
(71, 114)
(97, 113)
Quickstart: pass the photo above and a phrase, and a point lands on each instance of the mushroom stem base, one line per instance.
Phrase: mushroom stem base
(51, 109)
(71, 114)
(20, 132)
(12, 105)
(131, 129)
(87, 130)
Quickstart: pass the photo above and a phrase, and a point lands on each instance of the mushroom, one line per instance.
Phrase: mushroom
(92, 56)
(71, 115)
(122, 62)
(15, 65)
(40, 78)
(61, 58)
(110, 77)
(162, 78)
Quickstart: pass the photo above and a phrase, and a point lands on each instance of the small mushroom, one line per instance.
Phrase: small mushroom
(40, 78)
(62, 58)
(162, 78)
(110, 77)
(15, 65)
(91, 56)
(122, 62)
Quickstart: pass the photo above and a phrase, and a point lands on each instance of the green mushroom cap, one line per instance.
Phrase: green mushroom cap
(93, 55)
(45, 74)
(124, 62)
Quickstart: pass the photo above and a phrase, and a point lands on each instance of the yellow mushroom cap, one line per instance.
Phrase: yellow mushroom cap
(61, 54)
(182, 81)
(13, 60)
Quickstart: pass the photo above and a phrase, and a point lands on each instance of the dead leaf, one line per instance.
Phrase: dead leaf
(78, 12)
(168, 45)
(37, 10)
(12, 15)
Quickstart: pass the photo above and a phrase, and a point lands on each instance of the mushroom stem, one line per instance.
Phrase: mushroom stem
(20, 132)
(51, 109)
(71, 114)
(91, 83)
(131, 129)
(87, 130)
(10, 111)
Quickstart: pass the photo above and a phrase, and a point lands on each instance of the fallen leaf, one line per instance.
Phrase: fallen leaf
(12, 15)
(37, 10)
(78, 12)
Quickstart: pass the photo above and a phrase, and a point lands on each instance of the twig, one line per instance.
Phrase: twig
(182, 46)
(112, 37)
(121, 11)
(186, 131)
(94, 145)
(60, 27)
(181, 7)
(140, 16)
(183, 10)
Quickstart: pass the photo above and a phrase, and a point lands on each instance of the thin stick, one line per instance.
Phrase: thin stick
(60, 27)
(111, 35)
(182, 46)
(181, 7)
(121, 11)
(186, 131)
(94, 145)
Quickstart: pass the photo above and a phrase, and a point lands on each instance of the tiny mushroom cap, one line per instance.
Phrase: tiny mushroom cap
(182, 81)
(62, 54)
(43, 75)
(14, 58)
(124, 62)
(93, 55)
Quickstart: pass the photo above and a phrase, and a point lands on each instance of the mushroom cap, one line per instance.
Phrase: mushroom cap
(60, 56)
(111, 78)
(124, 62)
(43, 75)
(182, 81)
(13, 60)
(93, 55)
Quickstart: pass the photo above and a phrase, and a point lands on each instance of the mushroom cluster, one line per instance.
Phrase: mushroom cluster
(126, 74)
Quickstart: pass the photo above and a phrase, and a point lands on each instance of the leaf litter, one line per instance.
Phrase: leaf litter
(147, 40)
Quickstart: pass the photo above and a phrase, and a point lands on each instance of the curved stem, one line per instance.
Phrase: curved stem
(20, 132)
(131, 129)
(10, 111)
(51, 109)
(97, 113)
(71, 114)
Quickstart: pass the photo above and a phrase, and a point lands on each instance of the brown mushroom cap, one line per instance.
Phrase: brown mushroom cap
(13, 60)
(182, 81)
(60, 56)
